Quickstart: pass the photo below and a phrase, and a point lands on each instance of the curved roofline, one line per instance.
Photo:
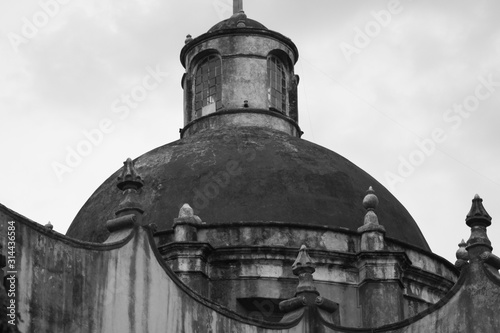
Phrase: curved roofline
(208, 302)
(345, 172)
(408, 321)
(66, 239)
(426, 252)
(238, 31)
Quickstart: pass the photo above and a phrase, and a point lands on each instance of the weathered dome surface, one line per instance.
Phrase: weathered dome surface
(249, 174)
(238, 20)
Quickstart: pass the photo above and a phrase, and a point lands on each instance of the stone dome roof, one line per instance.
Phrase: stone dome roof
(248, 174)
(238, 20)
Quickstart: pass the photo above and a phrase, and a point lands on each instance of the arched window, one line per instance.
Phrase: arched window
(276, 85)
(207, 85)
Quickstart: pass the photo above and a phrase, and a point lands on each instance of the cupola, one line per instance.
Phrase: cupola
(240, 158)
(240, 73)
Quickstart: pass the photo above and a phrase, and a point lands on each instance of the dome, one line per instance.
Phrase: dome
(238, 20)
(249, 174)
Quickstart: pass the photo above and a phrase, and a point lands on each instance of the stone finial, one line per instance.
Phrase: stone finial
(370, 223)
(478, 220)
(477, 214)
(303, 263)
(303, 267)
(462, 253)
(186, 225)
(372, 233)
(186, 215)
(189, 38)
(186, 211)
(306, 294)
(129, 179)
(49, 226)
(130, 182)
(370, 201)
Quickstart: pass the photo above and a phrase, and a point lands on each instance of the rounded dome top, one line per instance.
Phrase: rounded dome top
(238, 20)
(248, 174)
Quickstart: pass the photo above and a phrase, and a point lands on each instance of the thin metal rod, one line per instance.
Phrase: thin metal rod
(237, 6)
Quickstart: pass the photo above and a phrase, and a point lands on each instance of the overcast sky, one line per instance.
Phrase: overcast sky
(376, 78)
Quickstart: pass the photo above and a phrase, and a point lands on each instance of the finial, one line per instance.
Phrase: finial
(303, 267)
(49, 226)
(129, 177)
(477, 214)
(130, 182)
(186, 225)
(237, 6)
(370, 201)
(186, 216)
(189, 38)
(303, 263)
(462, 253)
(478, 220)
(372, 233)
(186, 211)
(306, 293)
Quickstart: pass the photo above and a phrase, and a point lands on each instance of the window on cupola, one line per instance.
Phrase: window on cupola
(276, 84)
(208, 83)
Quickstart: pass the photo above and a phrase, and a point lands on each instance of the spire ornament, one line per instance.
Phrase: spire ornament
(129, 177)
(372, 233)
(478, 220)
(130, 182)
(186, 225)
(129, 211)
(306, 294)
(370, 202)
(477, 214)
(462, 252)
(303, 267)
(303, 263)
(462, 255)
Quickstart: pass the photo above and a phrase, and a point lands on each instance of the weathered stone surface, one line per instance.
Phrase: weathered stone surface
(253, 261)
(225, 175)
(121, 287)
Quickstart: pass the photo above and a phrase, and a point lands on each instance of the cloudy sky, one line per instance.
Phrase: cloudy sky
(407, 90)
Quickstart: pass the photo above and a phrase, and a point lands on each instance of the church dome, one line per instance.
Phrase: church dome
(240, 157)
(249, 174)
